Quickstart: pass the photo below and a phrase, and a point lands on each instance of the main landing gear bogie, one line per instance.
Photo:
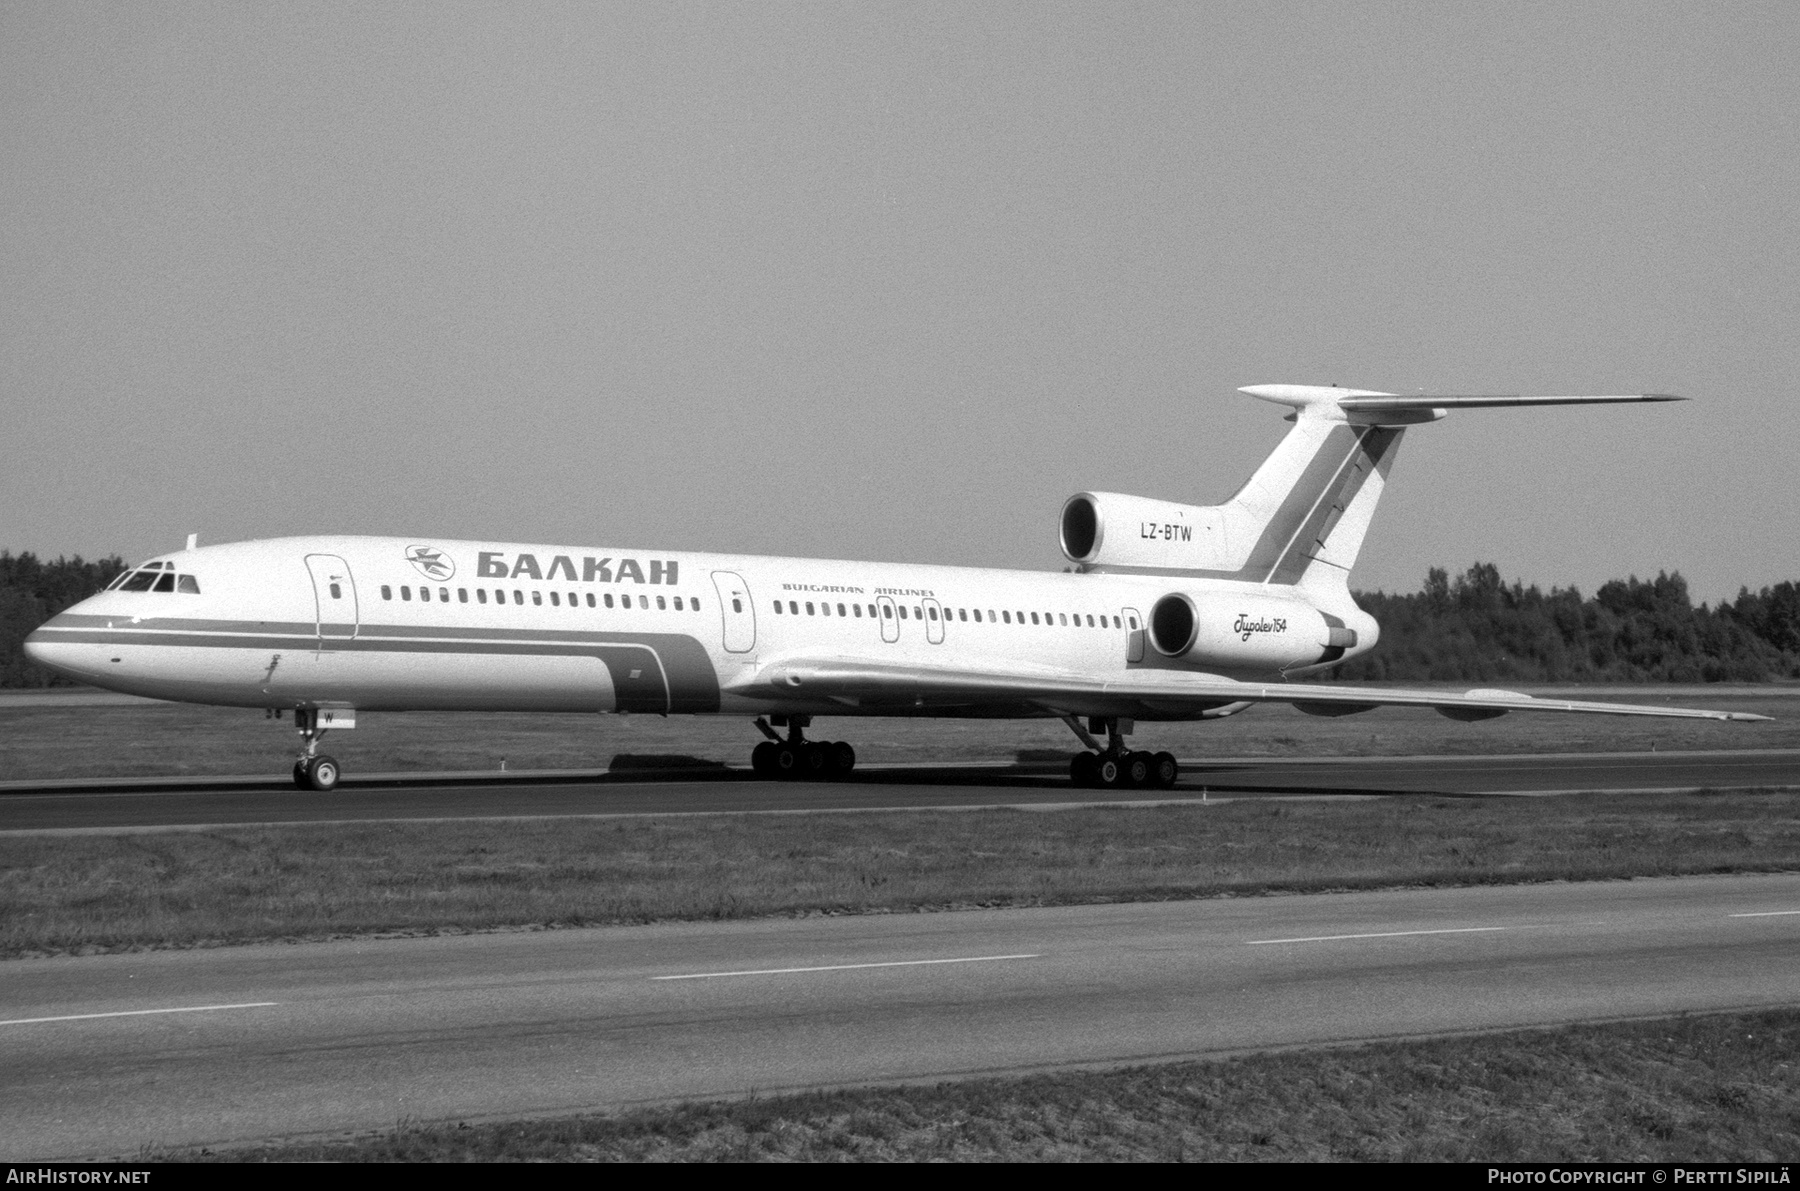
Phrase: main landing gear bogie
(1124, 771)
(796, 758)
(1113, 766)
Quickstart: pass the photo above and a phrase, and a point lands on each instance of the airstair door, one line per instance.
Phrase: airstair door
(1134, 624)
(738, 610)
(934, 624)
(334, 598)
(890, 618)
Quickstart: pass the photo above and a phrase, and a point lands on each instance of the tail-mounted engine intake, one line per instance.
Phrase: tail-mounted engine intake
(1107, 529)
(1245, 632)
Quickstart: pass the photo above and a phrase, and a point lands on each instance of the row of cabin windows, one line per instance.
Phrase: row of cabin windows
(929, 611)
(155, 576)
(691, 603)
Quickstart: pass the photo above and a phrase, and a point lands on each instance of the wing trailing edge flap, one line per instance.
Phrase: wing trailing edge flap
(1173, 693)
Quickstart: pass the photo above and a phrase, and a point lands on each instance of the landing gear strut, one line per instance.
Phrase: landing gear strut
(314, 770)
(1114, 766)
(796, 757)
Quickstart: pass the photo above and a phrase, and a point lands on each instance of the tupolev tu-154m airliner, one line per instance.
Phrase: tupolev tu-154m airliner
(1168, 612)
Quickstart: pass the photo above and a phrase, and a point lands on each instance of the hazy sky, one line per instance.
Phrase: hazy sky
(891, 281)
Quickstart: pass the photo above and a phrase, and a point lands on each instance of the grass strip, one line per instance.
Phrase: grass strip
(93, 893)
(1691, 1089)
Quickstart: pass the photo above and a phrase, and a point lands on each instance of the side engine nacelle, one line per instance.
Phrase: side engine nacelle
(1250, 632)
(1107, 529)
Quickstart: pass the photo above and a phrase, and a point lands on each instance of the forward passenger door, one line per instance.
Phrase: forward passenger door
(334, 599)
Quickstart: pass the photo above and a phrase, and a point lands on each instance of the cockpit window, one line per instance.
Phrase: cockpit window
(166, 582)
(188, 584)
(138, 581)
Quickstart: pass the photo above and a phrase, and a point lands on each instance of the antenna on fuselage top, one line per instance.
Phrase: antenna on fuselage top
(193, 541)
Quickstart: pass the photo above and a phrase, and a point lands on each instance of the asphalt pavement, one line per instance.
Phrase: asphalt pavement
(102, 1055)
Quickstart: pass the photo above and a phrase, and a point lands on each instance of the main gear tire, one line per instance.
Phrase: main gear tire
(1137, 771)
(1164, 769)
(762, 759)
(843, 757)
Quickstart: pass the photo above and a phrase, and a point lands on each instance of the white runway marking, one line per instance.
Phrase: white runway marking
(31, 1021)
(897, 963)
(1386, 934)
(1765, 914)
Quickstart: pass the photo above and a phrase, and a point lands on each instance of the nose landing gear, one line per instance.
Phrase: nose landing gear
(314, 770)
(1115, 767)
(796, 757)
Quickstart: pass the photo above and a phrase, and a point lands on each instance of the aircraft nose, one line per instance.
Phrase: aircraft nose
(62, 657)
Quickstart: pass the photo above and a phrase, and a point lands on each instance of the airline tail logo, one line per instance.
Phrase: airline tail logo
(431, 562)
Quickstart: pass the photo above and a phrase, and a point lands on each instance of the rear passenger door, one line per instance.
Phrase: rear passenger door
(890, 619)
(737, 609)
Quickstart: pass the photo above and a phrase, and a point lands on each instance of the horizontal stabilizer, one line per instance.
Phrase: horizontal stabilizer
(1371, 401)
(1373, 404)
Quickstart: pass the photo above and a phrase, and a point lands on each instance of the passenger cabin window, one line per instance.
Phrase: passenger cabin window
(337, 593)
(661, 604)
(933, 612)
(590, 599)
(444, 594)
(809, 608)
(888, 613)
(481, 595)
(462, 595)
(1006, 616)
(387, 593)
(425, 594)
(537, 597)
(555, 600)
(405, 592)
(737, 605)
(677, 603)
(609, 600)
(858, 608)
(902, 611)
(1133, 622)
(188, 584)
(518, 596)
(694, 603)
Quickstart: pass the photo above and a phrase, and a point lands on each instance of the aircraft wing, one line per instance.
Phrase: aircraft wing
(1138, 693)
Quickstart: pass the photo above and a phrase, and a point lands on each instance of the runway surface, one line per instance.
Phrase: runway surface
(102, 1055)
(176, 802)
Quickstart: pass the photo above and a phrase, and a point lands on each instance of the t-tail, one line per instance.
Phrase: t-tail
(1301, 518)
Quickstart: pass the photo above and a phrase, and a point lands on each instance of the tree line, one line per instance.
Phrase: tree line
(1473, 628)
(1477, 628)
